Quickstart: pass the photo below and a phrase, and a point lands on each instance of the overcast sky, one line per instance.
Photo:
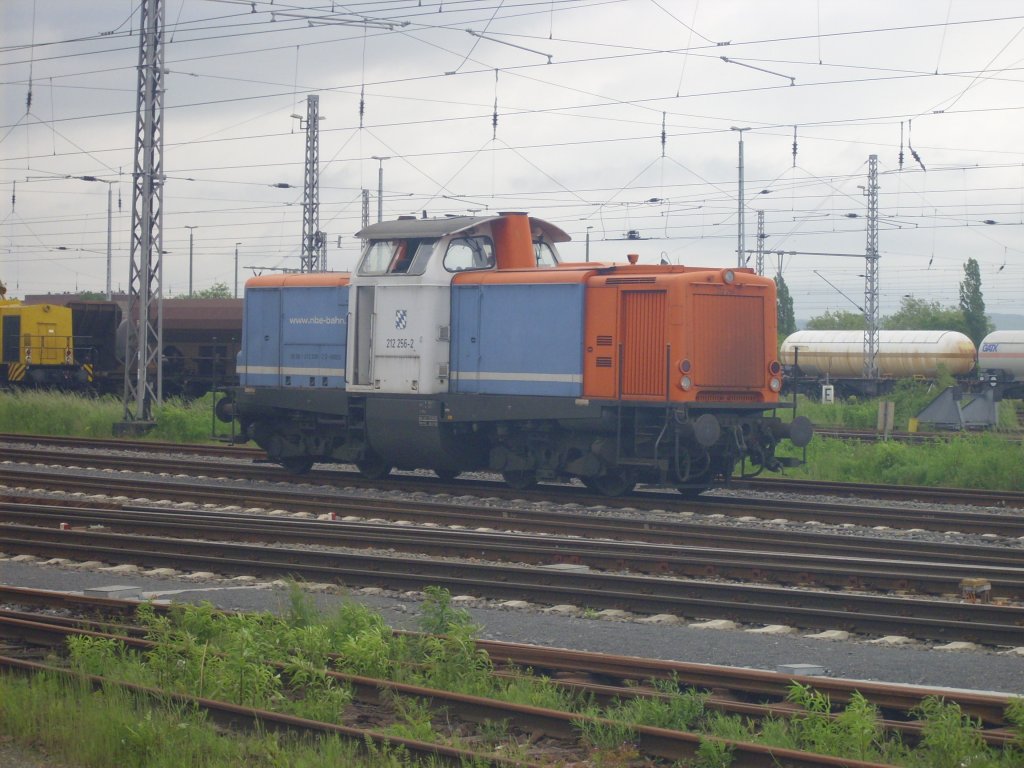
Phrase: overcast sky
(582, 87)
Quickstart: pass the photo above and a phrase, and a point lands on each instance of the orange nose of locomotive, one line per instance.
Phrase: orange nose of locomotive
(681, 334)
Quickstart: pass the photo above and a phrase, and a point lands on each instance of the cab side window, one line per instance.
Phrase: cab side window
(469, 253)
(397, 257)
(378, 257)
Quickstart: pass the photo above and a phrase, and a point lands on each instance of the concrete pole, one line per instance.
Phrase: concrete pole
(110, 193)
(190, 232)
(741, 256)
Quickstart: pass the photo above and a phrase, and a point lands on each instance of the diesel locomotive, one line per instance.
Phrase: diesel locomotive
(37, 347)
(464, 343)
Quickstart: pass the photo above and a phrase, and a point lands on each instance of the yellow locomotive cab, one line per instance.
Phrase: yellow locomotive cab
(36, 343)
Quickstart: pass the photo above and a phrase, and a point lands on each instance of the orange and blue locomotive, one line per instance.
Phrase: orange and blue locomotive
(464, 343)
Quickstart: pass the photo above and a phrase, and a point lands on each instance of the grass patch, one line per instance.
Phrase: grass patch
(66, 414)
(969, 461)
(97, 729)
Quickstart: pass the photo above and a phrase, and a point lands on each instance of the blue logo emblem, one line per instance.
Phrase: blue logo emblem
(400, 318)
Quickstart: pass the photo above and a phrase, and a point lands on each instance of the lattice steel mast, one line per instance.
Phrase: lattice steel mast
(871, 275)
(144, 338)
(314, 242)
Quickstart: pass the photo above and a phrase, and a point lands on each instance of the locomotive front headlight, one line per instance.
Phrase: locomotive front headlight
(684, 366)
(728, 276)
(686, 383)
(774, 368)
(775, 384)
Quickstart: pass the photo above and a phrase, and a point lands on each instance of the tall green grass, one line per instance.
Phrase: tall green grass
(110, 727)
(65, 414)
(971, 461)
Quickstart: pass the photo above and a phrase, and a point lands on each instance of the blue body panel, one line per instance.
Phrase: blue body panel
(515, 339)
(294, 336)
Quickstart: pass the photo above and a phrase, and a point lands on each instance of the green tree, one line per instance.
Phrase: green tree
(215, 291)
(784, 309)
(920, 315)
(92, 295)
(840, 320)
(972, 304)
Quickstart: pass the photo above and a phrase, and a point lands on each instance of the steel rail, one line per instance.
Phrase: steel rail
(927, 619)
(838, 570)
(944, 495)
(941, 495)
(1005, 524)
(674, 532)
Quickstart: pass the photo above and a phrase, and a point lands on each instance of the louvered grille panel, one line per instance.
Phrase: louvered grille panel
(643, 363)
(729, 336)
(630, 280)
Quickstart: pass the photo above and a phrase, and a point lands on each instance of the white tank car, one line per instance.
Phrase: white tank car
(1003, 351)
(901, 354)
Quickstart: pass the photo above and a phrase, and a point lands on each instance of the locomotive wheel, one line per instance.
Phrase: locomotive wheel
(612, 483)
(520, 480)
(297, 465)
(447, 474)
(373, 467)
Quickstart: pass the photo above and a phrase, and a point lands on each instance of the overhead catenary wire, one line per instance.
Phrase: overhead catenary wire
(531, 150)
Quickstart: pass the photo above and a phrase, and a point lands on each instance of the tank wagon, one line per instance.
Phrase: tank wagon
(1001, 362)
(464, 344)
(837, 357)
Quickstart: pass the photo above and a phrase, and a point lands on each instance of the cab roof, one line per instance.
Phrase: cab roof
(407, 228)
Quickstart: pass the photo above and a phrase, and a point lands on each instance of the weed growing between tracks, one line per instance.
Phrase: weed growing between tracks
(205, 653)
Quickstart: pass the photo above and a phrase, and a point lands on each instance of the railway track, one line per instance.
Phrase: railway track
(934, 571)
(750, 693)
(975, 497)
(1007, 524)
(872, 435)
(696, 599)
